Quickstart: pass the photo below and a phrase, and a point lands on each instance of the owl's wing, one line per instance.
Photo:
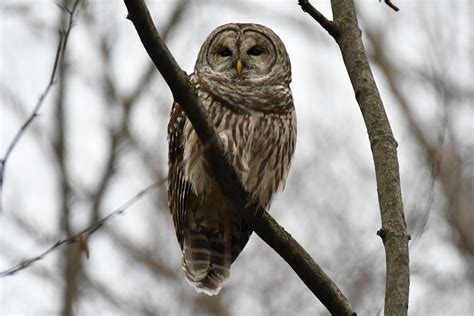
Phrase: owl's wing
(179, 190)
(180, 194)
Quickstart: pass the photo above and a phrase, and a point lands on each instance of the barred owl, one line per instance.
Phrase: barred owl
(242, 78)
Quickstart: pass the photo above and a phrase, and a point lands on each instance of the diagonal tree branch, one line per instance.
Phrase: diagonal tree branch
(391, 5)
(258, 219)
(327, 24)
(384, 151)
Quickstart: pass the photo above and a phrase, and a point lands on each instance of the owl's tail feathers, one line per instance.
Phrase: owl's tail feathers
(206, 261)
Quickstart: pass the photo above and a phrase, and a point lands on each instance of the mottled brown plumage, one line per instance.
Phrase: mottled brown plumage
(242, 77)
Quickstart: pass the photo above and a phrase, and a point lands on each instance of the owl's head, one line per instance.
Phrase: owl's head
(244, 53)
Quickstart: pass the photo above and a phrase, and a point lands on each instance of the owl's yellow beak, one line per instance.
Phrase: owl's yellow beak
(238, 67)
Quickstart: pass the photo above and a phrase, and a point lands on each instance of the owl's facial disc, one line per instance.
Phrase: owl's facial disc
(222, 55)
(257, 54)
(242, 55)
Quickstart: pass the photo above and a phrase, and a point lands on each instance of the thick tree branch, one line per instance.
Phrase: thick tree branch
(258, 219)
(384, 151)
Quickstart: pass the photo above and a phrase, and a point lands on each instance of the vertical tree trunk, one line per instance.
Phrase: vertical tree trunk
(384, 151)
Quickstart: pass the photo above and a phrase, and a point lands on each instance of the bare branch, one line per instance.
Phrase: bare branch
(33, 115)
(384, 151)
(258, 219)
(63, 37)
(391, 5)
(25, 263)
(327, 24)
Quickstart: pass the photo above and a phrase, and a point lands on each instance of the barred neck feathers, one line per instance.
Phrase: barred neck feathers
(258, 95)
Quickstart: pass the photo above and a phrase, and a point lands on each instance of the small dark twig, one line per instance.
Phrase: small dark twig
(391, 5)
(25, 263)
(327, 24)
(59, 57)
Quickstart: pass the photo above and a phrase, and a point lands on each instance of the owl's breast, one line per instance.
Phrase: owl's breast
(258, 145)
(233, 129)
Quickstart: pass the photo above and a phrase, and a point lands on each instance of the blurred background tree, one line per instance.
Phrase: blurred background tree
(101, 137)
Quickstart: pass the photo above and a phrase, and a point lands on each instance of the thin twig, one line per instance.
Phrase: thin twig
(391, 5)
(33, 115)
(327, 24)
(85, 233)
(59, 57)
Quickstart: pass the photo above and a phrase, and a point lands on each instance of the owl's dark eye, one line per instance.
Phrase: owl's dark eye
(255, 51)
(225, 52)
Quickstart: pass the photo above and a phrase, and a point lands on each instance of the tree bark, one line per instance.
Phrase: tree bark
(384, 151)
(345, 30)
